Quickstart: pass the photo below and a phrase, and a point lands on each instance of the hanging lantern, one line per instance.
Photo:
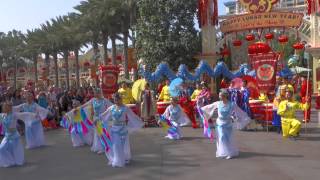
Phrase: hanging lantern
(283, 39)
(298, 46)
(250, 37)
(269, 36)
(86, 64)
(237, 43)
(259, 47)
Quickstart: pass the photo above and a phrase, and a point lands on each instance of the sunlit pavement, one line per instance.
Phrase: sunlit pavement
(263, 155)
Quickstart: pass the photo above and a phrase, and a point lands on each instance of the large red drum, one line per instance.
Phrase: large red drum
(262, 112)
(162, 106)
(134, 108)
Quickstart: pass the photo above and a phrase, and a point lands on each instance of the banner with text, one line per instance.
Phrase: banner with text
(261, 20)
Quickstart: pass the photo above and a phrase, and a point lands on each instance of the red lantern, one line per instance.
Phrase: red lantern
(269, 36)
(250, 37)
(119, 57)
(86, 64)
(259, 47)
(298, 46)
(237, 43)
(283, 39)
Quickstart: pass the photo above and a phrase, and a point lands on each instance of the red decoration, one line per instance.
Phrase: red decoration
(86, 64)
(298, 46)
(119, 57)
(109, 79)
(203, 7)
(259, 47)
(313, 6)
(225, 52)
(269, 36)
(250, 37)
(237, 43)
(283, 39)
(22, 70)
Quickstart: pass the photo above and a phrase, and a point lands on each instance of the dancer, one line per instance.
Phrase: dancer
(227, 111)
(94, 108)
(287, 110)
(148, 106)
(33, 131)
(123, 121)
(11, 149)
(77, 125)
(175, 117)
(196, 92)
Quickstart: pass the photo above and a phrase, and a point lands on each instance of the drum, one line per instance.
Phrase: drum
(134, 108)
(162, 106)
(262, 112)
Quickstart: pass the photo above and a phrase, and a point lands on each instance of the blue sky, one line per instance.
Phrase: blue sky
(29, 14)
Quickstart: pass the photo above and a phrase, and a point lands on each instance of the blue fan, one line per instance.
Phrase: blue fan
(175, 87)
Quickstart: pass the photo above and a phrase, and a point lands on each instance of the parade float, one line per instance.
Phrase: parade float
(264, 62)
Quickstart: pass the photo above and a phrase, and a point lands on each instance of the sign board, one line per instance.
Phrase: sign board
(265, 66)
(257, 6)
(261, 20)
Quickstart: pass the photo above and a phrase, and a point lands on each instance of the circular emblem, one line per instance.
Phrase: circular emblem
(265, 72)
(109, 80)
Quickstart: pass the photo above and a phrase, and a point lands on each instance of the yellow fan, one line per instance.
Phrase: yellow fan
(137, 88)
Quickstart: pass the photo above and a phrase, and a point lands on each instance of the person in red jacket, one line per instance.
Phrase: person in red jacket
(304, 96)
(187, 107)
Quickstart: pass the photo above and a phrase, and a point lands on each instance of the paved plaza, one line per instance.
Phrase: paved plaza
(264, 155)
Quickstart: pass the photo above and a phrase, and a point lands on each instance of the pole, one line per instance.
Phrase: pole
(307, 96)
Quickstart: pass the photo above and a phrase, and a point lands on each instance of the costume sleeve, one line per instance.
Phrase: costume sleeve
(41, 112)
(17, 108)
(282, 108)
(183, 119)
(89, 103)
(166, 113)
(161, 96)
(134, 122)
(106, 116)
(209, 110)
(27, 117)
(194, 95)
(303, 106)
(241, 117)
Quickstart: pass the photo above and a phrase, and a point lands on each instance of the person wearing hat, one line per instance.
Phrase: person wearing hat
(79, 136)
(123, 121)
(165, 94)
(177, 117)
(95, 107)
(11, 148)
(287, 110)
(227, 112)
(126, 93)
(33, 131)
(285, 85)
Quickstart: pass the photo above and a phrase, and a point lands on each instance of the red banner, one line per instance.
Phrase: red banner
(266, 67)
(109, 79)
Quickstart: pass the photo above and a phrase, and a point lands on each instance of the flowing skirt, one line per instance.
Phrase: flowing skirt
(96, 144)
(34, 135)
(11, 152)
(225, 142)
(81, 139)
(120, 154)
(174, 134)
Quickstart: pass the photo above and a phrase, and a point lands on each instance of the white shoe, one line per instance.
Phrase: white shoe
(228, 157)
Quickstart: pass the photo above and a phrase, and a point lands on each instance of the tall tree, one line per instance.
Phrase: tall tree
(166, 32)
